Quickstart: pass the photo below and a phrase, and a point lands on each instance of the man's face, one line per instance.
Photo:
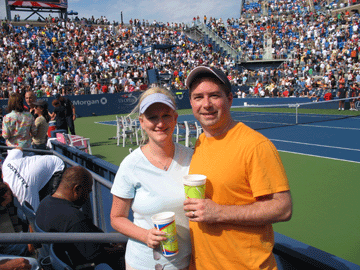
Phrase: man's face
(30, 98)
(84, 192)
(211, 106)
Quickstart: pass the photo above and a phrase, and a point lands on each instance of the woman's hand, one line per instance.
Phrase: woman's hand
(154, 237)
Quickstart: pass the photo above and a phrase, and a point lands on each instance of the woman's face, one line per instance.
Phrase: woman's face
(159, 122)
(39, 110)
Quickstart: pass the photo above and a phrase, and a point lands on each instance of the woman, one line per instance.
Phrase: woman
(149, 181)
(18, 126)
(59, 115)
(42, 125)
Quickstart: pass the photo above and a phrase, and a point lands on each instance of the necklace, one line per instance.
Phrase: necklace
(165, 166)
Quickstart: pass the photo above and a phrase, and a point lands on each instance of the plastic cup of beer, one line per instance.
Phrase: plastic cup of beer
(165, 221)
(194, 185)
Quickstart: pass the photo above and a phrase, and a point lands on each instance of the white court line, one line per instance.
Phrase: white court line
(102, 123)
(339, 159)
(312, 144)
(346, 128)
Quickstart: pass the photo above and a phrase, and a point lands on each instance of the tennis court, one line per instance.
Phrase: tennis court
(322, 162)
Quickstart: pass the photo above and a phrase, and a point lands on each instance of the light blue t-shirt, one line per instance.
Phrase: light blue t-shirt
(153, 191)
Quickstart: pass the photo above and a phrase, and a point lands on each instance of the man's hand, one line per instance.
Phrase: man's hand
(15, 264)
(267, 209)
(202, 210)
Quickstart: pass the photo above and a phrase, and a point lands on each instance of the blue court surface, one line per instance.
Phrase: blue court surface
(335, 139)
(322, 189)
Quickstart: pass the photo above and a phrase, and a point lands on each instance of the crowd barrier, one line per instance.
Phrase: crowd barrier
(289, 253)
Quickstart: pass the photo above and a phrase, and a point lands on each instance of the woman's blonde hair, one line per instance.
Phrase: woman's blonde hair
(136, 111)
(150, 91)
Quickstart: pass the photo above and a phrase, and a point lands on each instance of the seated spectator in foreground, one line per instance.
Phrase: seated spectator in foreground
(16, 263)
(31, 178)
(9, 223)
(61, 212)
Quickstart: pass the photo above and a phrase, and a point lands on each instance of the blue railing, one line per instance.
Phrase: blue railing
(289, 253)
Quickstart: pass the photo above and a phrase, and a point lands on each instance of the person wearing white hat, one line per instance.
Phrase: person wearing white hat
(149, 181)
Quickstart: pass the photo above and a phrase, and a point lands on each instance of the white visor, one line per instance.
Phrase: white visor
(155, 98)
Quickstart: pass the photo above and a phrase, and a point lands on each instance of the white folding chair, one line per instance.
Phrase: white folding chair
(134, 125)
(198, 129)
(123, 130)
(179, 131)
(190, 131)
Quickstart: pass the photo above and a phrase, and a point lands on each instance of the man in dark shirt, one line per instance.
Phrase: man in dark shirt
(61, 213)
(70, 112)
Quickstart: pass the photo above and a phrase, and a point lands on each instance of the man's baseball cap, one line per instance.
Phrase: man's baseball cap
(155, 98)
(57, 96)
(205, 71)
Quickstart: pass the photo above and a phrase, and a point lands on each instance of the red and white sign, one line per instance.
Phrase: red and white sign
(45, 4)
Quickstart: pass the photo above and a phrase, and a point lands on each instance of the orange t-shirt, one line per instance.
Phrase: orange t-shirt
(240, 166)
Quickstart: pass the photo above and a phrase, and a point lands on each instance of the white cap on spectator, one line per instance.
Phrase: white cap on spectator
(155, 98)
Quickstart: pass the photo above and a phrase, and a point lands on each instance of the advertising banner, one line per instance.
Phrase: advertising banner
(106, 104)
(40, 3)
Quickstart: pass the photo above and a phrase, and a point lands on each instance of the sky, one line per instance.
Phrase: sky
(159, 10)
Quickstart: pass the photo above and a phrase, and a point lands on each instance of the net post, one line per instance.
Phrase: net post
(296, 115)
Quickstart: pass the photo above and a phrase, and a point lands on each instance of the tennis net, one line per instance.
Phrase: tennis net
(276, 115)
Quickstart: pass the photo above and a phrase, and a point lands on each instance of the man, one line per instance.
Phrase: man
(33, 177)
(70, 112)
(61, 213)
(30, 98)
(246, 190)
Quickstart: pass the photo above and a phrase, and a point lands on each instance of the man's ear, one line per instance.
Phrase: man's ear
(76, 190)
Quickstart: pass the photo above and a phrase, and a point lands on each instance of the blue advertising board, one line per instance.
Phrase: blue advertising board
(106, 104)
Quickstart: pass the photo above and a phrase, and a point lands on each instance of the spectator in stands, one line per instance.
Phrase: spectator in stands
(42, 124)
(150, 174)
(18, 126)
(31, 178)
(61, 213)
(244, 194)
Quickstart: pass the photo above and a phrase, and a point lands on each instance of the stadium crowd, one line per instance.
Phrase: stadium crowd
(74, 57)
(92, 56)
